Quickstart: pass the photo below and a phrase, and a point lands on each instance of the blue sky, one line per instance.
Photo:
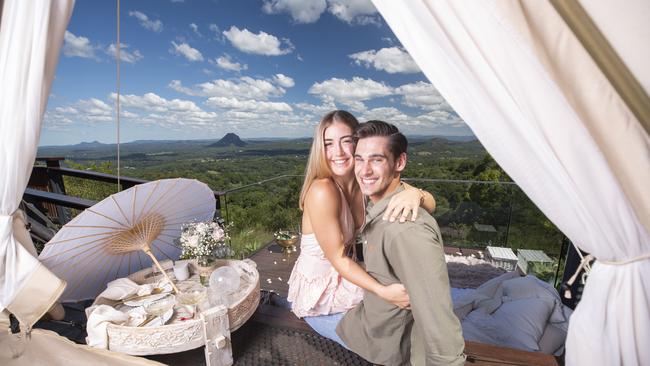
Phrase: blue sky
(198, 69)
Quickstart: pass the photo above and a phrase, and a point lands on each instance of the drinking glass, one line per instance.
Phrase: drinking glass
(160, 306)
(191, 294)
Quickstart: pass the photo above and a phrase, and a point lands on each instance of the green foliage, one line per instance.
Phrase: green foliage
(84, 188)
(543, 271)
(248, 241)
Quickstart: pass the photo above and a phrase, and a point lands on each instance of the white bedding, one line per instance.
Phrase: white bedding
(512, 311)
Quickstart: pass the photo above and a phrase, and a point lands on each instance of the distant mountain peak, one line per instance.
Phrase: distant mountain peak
(92, 143)
(230, 139)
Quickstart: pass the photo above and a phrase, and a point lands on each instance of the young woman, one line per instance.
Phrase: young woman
(325, 279)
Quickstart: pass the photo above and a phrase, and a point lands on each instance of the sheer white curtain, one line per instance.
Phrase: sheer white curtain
(536, 100)
(31, 34)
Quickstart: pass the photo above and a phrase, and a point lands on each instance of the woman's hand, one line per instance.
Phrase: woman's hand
(395, 294)
(403, 204)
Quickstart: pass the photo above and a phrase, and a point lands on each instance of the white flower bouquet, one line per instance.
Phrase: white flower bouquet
(204, 239)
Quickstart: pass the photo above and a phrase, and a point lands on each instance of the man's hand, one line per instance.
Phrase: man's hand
(395, 294)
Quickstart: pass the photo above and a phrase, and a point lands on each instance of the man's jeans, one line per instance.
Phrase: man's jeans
(325, 325)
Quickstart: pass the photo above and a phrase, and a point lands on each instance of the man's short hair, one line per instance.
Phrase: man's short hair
(397, 143)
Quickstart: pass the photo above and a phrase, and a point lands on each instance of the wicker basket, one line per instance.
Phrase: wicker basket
(179, 337)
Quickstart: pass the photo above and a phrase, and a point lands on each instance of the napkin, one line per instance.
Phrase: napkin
(99, 318)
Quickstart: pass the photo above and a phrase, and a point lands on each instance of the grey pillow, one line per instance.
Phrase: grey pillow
(552, 340)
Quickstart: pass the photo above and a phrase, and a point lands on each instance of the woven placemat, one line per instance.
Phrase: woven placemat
(262, 344)
(265, 345)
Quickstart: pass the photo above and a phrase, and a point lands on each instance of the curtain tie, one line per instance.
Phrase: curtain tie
(585, 261)
(8, 216)
(7, 219)
(638, 258)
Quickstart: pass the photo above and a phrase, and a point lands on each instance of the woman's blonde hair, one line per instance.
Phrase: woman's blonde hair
(317, 166)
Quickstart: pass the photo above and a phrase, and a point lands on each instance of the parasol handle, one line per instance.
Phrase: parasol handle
(153, 258)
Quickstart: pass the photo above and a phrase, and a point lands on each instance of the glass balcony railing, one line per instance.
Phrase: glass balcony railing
(255, 211)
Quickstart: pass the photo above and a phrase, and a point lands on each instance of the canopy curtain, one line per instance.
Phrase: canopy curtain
(31, 34)
(530, 92)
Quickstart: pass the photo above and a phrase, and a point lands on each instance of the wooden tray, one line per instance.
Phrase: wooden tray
(179, 337)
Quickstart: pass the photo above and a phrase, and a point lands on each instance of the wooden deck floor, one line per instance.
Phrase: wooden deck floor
(274, 268)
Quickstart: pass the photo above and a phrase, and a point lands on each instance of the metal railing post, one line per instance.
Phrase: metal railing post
(509, 217)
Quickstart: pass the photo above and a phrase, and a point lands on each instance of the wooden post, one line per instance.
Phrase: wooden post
(57, 186)
(216, 334)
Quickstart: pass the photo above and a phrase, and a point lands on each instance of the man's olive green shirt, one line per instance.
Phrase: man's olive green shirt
(410, 253)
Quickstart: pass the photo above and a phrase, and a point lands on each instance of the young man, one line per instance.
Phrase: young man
(410, 253)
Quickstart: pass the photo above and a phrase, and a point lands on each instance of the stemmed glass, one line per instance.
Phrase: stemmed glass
(191, 294)
(160, 306)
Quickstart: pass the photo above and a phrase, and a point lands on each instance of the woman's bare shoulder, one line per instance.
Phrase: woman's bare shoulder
(322, 194)
(322, 187)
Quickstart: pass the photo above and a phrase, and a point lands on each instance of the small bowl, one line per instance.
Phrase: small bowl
(288, 245)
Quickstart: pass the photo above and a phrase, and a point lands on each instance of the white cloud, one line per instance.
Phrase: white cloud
(239, 115)
(438, 121)
(261, 43)
(302, 11)
(392, 60)
(125, 54)
(217, 32)
(88, 111)
(184, 49)
(127, 114)
(309, 11)
(94, 110)
(388, 114)
(250, 116)
(284, 80)
(166, 112)
(350, 92)
(244, 88)
(78, 46)
(354, 11)
(68, 110)
(195, 29)
(442, 118)
(153, 25)
(225, 62)
(422, 95)
(156, 103)
(255, 106)
(284, 123)
(318, 110)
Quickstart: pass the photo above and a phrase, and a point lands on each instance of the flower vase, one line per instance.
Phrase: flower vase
(205, 265)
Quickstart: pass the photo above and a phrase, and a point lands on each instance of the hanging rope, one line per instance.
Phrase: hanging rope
(117, 104)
